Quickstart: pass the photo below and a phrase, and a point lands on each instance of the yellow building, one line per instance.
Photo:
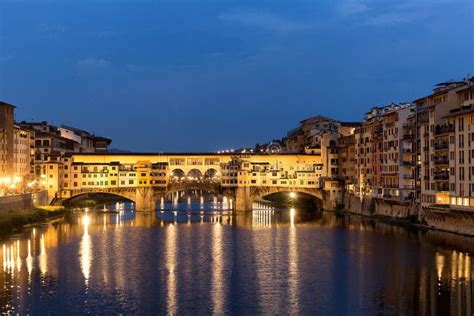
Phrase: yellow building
(80, 172)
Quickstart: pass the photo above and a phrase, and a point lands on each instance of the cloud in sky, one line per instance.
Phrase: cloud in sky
(347, 8)
(92, 62)
(378, 13)
(265, 20)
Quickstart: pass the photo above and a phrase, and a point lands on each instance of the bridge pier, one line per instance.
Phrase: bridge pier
(243, 201)
(144, 199)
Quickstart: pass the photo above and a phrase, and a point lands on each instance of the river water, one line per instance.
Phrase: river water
(209, 261)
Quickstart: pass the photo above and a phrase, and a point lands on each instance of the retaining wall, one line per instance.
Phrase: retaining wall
(23, 201)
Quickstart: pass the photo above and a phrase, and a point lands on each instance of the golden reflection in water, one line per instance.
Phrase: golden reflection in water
(4, 257)
(43, 266)
(440, 262)
(262, 218)
(18, 259)
(217, 292)
(29, 259)
(292, 217)
(86, 250)
(293, 264)
(104, 224)
(171, 267)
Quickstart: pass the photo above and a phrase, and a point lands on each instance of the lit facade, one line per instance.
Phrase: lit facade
(76, 172)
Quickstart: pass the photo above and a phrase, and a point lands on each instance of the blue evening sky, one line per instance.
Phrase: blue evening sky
(206, 75)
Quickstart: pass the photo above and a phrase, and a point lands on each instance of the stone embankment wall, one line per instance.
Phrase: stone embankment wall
(23, 201)
(372, 206)
(456, 221)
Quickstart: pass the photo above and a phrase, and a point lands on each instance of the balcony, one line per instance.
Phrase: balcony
(409, 125)
(441, 146)
(408, 136)
(441, 161)
(442, 187)
(408, 187)
(407, 150)
(408, 163)
(443, 129)
(409, 176)
(441, 176)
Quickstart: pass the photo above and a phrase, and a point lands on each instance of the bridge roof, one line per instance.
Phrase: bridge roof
(185, 154)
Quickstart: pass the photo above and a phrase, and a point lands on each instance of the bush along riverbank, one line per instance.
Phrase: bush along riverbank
(17, 219)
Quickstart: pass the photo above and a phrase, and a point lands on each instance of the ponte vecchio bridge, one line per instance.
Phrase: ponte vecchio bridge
(146, 178)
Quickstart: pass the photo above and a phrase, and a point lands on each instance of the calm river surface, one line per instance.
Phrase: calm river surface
(288, 262)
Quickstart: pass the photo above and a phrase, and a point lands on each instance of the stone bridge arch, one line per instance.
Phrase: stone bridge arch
(143, 198)
(186, 186)
(246, 196)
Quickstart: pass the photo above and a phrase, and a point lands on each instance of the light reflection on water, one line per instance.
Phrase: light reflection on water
(192, 258)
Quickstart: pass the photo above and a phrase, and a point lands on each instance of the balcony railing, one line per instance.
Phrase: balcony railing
(441, 176)
(408, 163)
(442, 187)
(443, 129)
(441, 146)
(441, 161)
(408, 136)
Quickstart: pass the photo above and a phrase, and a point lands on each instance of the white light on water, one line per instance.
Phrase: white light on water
(292, 217)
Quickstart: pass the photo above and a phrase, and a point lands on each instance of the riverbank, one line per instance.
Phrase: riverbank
(408, 215)
(11, 221)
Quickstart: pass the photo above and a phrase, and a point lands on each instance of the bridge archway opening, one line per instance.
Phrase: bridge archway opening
(211, 175)
(178, 175)
(94, 199)
(294, 199)
(194, 175)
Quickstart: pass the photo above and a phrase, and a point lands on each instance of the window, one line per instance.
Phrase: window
(461, 124)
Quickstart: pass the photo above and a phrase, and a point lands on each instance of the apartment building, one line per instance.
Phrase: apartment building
(88, 143)
(398, 165)
(368, 147)
(52, 142)
(442, 161)
(460, 145)
(23, 153)
(310, 132)
(347, 161)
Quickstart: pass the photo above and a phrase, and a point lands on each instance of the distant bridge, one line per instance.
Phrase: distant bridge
(146, 178)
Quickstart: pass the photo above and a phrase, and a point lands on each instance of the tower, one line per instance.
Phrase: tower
(6, 138)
